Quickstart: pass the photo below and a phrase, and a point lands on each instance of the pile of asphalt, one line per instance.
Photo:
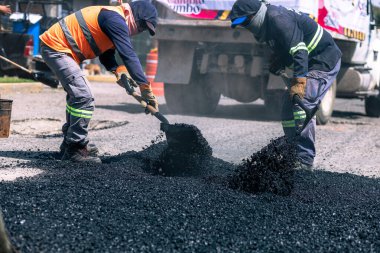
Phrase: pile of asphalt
(125, 205)
(187, 153)
(269, 170)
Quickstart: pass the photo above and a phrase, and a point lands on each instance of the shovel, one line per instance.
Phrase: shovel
(297, 100)
(177, 134)
(38, 76)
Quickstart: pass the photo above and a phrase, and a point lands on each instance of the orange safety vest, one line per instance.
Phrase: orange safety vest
(79, 34)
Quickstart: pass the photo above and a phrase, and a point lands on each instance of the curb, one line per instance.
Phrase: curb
(8, 88)
(102, 78)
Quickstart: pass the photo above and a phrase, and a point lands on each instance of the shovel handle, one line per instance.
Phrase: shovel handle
(131, 91)
(150, 108)
(297, 100)
(127, 82)
(143, 103)
(15, 64)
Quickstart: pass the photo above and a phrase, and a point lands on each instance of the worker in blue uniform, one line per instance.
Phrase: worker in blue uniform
(300, 43)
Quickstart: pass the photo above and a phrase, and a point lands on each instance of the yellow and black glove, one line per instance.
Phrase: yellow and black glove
(118, 72)
(298, 87)
(148, 95)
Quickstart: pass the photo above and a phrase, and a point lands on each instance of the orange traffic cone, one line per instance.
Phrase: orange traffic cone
(151, 70)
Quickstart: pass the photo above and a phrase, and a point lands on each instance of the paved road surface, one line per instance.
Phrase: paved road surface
(122, 208)
(349, 143)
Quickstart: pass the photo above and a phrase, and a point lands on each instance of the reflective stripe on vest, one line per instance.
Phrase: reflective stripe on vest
(70, 40)
(87, 33)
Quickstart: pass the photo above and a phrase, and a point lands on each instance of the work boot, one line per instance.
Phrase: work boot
(76, 153)
(303, 166)
(91, 148)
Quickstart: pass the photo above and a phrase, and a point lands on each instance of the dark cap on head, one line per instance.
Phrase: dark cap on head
(144, 11)
(243, 8)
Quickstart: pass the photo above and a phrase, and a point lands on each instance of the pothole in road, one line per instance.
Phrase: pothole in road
(49, 127)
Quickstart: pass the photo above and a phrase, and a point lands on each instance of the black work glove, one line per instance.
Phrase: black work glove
(276, 66)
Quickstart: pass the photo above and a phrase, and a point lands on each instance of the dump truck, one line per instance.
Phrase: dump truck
(201, 58)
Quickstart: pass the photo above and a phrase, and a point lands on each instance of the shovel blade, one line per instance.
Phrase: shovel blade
(45, 79)
(178, 134)
(182, 136)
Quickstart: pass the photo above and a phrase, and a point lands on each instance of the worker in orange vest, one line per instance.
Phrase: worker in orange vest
(88, 33)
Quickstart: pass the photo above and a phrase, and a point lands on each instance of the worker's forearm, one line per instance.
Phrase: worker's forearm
(108, 60)
(300, 63)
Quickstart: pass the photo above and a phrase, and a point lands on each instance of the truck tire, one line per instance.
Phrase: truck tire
(194, 98)
(372, 106)
(327, 106)
(273, 103)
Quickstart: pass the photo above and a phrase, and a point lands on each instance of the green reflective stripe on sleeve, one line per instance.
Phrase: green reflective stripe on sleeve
(288, 123)
(300, 46)
(79, 111)
(317, 37)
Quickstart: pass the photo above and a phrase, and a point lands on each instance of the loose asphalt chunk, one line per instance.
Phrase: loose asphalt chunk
(125, 205)
(269, 170)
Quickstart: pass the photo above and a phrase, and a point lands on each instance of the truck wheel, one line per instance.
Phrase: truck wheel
(327, 106)
(273, 103)
(194, 98)
(372, 106)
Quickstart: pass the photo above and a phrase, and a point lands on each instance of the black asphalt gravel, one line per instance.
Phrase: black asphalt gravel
(187, 153)
(122, 205)
(269, 170)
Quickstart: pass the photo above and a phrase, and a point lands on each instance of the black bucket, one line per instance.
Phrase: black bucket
(5, 117)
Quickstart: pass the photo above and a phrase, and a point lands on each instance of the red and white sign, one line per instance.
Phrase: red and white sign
(346, 17)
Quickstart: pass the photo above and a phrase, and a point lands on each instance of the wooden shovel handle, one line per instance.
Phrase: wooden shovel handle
(144, 103)
(15, 64)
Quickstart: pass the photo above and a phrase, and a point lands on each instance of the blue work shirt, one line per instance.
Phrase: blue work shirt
(115, 27)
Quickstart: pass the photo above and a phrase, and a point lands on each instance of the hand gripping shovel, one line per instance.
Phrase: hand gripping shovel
(177, 134)
(297, 100)
(129, 84)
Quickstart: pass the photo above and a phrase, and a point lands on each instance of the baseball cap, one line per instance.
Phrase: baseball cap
(151, 28)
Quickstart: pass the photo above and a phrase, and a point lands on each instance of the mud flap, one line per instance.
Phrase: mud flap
(175, 62)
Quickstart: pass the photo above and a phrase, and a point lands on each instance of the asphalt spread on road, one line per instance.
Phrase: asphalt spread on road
(126, 205)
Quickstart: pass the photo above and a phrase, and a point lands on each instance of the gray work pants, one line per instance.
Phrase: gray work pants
(79, 99)
(318, 83)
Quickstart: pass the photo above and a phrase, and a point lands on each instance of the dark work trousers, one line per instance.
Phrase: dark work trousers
(79, 99)
(318, 83)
